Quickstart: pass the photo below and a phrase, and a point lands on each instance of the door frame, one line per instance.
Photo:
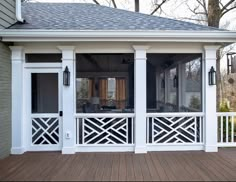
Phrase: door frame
(28, 113)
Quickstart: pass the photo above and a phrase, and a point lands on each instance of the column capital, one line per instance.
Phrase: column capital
(16, 53)
(16, 48)
(68, 53)
(141, 47)
(66, 48)
(140, 52)
(211, 47)
(210, 51)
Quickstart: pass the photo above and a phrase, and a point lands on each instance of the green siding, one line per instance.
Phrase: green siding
(5, 101)
(7, 13)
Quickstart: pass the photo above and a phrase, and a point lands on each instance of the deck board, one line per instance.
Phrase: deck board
(153, 166)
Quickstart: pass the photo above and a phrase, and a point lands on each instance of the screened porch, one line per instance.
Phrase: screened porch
(105, 83)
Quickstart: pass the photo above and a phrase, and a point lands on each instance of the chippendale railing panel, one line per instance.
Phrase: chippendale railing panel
(175, 128)
(226, 129)
(105, 129)
(45, 130)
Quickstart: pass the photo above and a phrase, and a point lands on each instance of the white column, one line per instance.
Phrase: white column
(17, 58)
(140, 98)
(68, 57)
(210, 101)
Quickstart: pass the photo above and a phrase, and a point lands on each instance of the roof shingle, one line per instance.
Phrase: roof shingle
(81, 16)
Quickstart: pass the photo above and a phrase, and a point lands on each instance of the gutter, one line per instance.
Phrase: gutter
(121, 35)
(18, 12)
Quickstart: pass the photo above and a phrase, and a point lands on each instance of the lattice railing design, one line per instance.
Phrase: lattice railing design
(174, 128)
(226, 129)
(45, 131)
(97, 129)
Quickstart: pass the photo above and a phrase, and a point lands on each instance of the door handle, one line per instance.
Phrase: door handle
(61, 113)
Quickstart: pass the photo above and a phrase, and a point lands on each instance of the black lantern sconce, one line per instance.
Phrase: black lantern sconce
(212, 76)
(175, 81)
(66, 77)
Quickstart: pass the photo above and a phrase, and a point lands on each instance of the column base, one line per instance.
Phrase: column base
(211, 148)
(68, 150)
(140, 150)
(17, 150)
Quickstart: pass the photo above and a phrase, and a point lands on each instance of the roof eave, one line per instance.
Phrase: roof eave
(18, 35)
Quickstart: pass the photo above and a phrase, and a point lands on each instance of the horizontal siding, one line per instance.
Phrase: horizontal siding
(5, 101)
(7, 13)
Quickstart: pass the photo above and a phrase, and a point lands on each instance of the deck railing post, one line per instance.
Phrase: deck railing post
(210, 101)
(17, 58)
(68, 134)
(140, 97)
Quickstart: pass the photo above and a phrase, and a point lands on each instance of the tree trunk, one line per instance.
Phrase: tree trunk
(214, 21)
(214, 13)
(136, 5)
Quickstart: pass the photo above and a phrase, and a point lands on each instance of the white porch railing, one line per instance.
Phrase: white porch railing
(104, 129)
(174, 128)
(226, 129)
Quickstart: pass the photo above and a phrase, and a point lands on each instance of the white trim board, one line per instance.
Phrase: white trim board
(126, 36)
(172, 147)
(126, 148)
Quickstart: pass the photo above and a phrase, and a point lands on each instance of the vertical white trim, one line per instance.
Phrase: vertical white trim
(210, 101)
(140, 87)
(68, 58)
(17, 100)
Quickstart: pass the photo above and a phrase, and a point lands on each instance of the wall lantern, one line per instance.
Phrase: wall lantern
(66, 77)
(212, 76)
(175, 81)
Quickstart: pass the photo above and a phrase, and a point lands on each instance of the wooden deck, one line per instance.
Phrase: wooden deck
(154, 166)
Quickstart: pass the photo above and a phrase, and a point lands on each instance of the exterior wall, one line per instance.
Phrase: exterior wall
(7, 13)
(7, 18)
(5, 101)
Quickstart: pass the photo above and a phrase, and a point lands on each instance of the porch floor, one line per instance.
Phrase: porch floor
(154, 166)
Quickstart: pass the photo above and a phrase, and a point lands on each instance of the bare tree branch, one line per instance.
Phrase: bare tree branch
(226, 11)
(194, 11)
(95, 1)
(227, 5)
(158, 6)
(203, 4)
(114, 3)
(221, 4)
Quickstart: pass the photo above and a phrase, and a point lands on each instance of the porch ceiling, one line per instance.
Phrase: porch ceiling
(154, 166)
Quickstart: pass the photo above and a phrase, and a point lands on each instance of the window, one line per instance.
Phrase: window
(84, 92)
(172, 89)
(192, 89)
(43, 58)
(177, 83)
(105, 83)
(111, 90)
(44, 92)
(82, 88)
(162, 88)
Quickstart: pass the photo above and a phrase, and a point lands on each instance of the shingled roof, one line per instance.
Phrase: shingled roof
(80, 16)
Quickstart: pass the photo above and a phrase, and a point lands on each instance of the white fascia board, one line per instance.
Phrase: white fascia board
(91, 35)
